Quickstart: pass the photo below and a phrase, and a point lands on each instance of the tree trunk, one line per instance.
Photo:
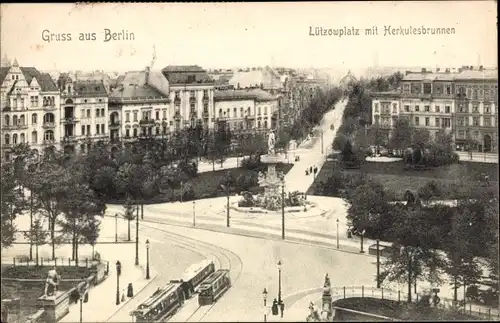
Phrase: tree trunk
(409, 279)
(31, 224)
(455, 288)
(36, 254)
(142, 211)
(128, 229)
(213, 164)
(52, 236)
(73, 245)
(76, 250)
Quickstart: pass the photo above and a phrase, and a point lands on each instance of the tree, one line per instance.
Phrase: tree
(443, 142)
(429, 191)
(37, 236)
(90, 233)
(128, 213)
(80, 207)
(339, 142)
(376, 136)
(12, 204)
(421, 138)
(219, 145)
(401, 137)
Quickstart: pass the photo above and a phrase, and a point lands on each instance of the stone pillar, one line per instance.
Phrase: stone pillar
(327, 301)
(55, 307)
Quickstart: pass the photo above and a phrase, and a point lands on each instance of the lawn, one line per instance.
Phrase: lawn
(393, 309)
(395, 178)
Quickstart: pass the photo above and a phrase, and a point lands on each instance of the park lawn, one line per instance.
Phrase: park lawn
(395, 178)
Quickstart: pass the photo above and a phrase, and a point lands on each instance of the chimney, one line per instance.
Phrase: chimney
(407, 72)
(424, 70)
(438, 69)
(148, 69)
(447, 70)
(481, 67)
(471, 67)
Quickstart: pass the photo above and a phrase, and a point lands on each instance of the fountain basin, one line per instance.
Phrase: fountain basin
(272, 159)
(310, 207)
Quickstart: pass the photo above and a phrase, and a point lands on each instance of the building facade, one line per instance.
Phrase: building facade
(30, 105)
(462, 103)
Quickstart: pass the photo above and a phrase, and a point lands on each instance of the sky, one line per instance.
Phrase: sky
(228, 35)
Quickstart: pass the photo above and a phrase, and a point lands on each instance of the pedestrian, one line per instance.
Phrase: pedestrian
(315, 169)
(307, 172)
(282, 308)
(274, 308)
(310, 169)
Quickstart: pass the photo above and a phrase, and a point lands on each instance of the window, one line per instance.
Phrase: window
(7, 139)
(34, 137)
(7, 120)
(220, 112)
(481, 94)
(447, 109)
(476, 135)
(461, 134)
(487, 121)
(446, 122)
(97, 129)
(438, 89)
(437, 108)
(82, 113)
(22, 138)
(417, 121)
(462, 107)
(102, 110)
(135, 116)
(265, 110)
(427, 88)
(487, 108)
(191, 94)
(427, 108)
(448, 89)
(376, 107)
(406, 88)
(417, 88)
(157, 115)
(97, 113)
(486, 95)
(474, 94)
(14, 139)
(475, 121)
(34, 118)
(437, 122)
(469, 93)
(259, 112)
(417, 108)
(135, 132)
(460, 121)
(407, 108)
(88, 113)
(475, 107)
(394, 108)
(103, 129)
(88, 130)
(462, 92)
(249, 111)
(164, 129)
(127, 132)
(241, 112)
(235, 113)
(192, 107)
(48, 135)
(377, 119)
(83, 130)
(205, 93)
(127, 117)
(14, 120)
(427, 121)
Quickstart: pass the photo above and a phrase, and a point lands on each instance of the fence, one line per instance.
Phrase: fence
(48, 262)
(472, 310)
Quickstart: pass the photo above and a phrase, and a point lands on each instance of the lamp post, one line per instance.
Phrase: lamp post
(279, 281)
(378, 263)
(321, 141)
(147, 258)
(137, 237)
(283, 211)
(264, 295)
(118, 273)
(362, 236)
(194, 214)
(226, 187)
(116, 227)
(337, 233)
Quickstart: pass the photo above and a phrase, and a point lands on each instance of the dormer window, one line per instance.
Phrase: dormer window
(69, 89)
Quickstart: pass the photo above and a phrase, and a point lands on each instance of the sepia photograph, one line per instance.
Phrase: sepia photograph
(249, 162)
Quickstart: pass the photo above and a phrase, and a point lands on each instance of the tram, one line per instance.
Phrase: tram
(214, 286)
(194, 275)
(161, 305)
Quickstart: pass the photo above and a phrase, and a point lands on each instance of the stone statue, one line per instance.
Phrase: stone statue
(327, 281)
(52, 282)
(271, 142)
(262, 177)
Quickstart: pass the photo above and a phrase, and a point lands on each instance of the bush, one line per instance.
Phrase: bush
(190, 169)
(188, 193)
(245, 182)
(333, 184)
(251, 162)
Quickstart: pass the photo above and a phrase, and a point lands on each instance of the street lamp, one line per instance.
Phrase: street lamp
(194, 214)
(118, 273)
(226, 187)
(264, 295)
(279, 264)
(337, 233)
(283, 211)
(362, 236)
(378, 263)
(116, 227)
(137, 237)
(147, 258)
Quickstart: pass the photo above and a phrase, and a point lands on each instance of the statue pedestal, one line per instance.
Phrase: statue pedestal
(55, 307)
(272, 182)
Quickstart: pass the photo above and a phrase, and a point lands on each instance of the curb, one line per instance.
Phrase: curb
(152, 277)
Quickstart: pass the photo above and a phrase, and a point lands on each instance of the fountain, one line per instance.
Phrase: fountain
(273, 183)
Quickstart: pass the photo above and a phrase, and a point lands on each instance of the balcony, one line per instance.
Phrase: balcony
(5, 146)
(15, 127)
(68, 139)
(192, 99)
(49, 107)
(193, 114)
(177, 100)
(69, 120)
(249, 117)
(146, 122)
(48, 142)
(48, 125)
(114, 124)
(205, 99)
(177, 115)
(205, 114)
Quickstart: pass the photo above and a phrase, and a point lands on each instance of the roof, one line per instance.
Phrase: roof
(183, 68)
(386, 93)
(429, 77)
(3, 73)
(216, 275)
(194, 269)
(348, 78)
(135, 87)
(490, 74)
(44, 80)
(186, 74)
(267, 77)
(90, 88)
(250, 94)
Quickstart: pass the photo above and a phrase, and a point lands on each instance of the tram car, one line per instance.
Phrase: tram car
(161, 305)
(213, 287)
(194, 275)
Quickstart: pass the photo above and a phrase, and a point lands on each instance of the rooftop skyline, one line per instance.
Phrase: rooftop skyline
(224, 35)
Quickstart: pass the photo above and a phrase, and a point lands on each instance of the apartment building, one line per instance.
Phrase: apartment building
(83, 113)
(247, 109)
(462, 102)
(30, 103)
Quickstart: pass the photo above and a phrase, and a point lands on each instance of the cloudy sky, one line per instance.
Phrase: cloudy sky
(230, 35)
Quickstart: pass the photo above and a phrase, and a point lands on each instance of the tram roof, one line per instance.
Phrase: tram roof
(194, 269)
(216, 275)
(152, 300)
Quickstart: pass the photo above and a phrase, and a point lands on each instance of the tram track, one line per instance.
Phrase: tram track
(225, 258)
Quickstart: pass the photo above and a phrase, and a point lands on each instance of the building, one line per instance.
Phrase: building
(347, 81)
(246, 109)
(264, 78)
(463, 103)
(83, 113)
(191, 90)
(30, 103)
(137, 109)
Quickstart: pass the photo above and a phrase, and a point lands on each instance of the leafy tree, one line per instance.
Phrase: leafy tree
(128, 213)
(340, 142)
(414, 252)
(80, 207)
(12, 204)
(361, 140)
(429, 191)
(401, 137)
(421, 138)
(90, 233)
(443, 142)
(333, 184)
(37, 236)
(376, 136)
(219, 145)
